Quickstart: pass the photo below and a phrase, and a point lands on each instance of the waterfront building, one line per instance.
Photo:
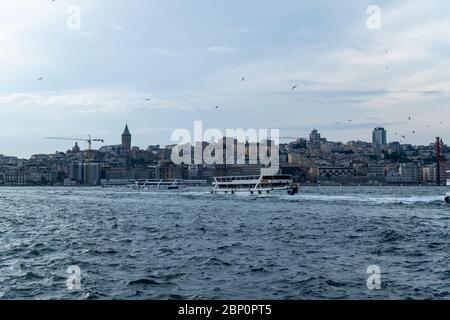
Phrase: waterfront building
(114, 149)
(379, 138)
(376, 170)
(15, 178)
(76, 172)
(315, 140)
(335, 171)
(409, 171)
(428, 174)
(91, 174)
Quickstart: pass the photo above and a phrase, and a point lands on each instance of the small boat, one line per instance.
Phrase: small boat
(255, 185)
(157, 184)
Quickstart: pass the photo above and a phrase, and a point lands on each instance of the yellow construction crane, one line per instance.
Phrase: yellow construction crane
(89, 140)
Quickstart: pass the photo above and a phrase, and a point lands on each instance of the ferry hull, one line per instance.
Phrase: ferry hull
(254, 185)
(155, 188)
(260, 192)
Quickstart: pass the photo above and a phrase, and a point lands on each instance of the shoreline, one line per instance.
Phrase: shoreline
(300, 185)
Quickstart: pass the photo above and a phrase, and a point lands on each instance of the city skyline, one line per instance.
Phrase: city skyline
(161, 69)
(311, 160)
(126, 140)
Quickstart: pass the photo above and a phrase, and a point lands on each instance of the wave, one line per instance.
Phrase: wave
(144, 281)
(363, 198)
(367, 199)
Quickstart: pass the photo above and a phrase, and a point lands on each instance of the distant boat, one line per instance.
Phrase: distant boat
(114, 183)
(175, 184)
(163, 184)
(254, 185)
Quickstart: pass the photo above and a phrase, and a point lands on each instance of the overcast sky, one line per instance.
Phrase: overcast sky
(188, 56)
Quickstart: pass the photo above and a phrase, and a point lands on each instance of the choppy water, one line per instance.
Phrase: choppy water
(194, 245)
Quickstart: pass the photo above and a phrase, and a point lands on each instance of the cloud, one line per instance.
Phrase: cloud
(115, 26)
(240, 30)
(222, 50)
(85, 34)
(102, 102)
(302, 32)
(143, 131)
(165, 52)
(188, 61)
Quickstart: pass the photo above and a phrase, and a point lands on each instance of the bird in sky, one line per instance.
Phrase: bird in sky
(294, 87)
(41, 78)
(147, 99)
(243, 79)
(409, 118)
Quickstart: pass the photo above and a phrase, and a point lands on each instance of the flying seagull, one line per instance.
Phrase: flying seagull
(41, 78)
(294, 87)
(147, 99)
(243, 79)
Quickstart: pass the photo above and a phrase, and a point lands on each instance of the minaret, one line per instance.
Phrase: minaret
(126, 139)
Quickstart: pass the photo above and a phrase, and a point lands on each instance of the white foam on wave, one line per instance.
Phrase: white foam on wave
(367, 198)
(364, 198)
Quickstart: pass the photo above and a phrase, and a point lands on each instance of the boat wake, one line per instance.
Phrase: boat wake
(368, 199)
(301, 197)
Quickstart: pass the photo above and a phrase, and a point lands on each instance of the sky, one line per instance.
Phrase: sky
(189, 56)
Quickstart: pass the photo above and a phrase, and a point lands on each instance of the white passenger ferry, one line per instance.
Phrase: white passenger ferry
(157, 184)
(254, 185)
